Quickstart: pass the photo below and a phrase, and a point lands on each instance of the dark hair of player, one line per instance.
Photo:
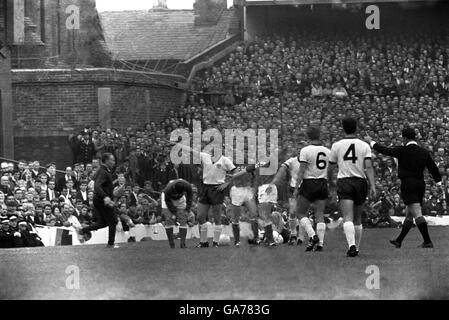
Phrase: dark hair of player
(349, 125)
(179, 189)
(409, 133)
(313, 133)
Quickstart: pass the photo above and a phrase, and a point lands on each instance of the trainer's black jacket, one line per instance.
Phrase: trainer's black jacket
(412, 161)
(171, 191)
(103, 184)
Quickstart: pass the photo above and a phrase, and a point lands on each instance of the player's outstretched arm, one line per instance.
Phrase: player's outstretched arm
(301, 172)
(189, 196)
(392, 152)
(187, 148)
(280, 175)
(300, 177)
(168, 192)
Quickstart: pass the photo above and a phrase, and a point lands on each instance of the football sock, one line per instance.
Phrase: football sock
(358, 235)
(255, 228)
(321, 231)
(307, 226)
(112, 231)
(422, 226)
(406, 227)
(203, 233)
(217, 233)
(236, 231)
(269, 233)
(349, 233)
(183, 234)
(171, 239)
(292, 223)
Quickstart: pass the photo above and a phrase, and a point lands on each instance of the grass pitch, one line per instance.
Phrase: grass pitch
(150, 270)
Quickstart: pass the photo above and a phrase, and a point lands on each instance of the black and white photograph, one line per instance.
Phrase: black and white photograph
(225, 155)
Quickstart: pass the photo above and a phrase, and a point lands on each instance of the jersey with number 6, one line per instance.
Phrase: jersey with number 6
(317, 160)
(350, 155)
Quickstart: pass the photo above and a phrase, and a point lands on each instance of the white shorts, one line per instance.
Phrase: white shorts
(240, 195)
(180, 204)
(264, 197)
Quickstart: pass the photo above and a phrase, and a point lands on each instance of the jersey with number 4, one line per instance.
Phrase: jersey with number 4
(350, 155)
(317, 160)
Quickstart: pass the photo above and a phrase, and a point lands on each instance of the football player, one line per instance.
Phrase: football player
(312, 187)
(242, 195)
(176, 203)
(289, 168)
(353, 157)
(212, 192)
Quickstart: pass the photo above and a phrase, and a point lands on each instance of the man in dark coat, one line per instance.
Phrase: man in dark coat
(412, 161)
(103, 204)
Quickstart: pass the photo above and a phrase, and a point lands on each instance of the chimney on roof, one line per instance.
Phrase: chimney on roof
(160, 5)
(208, 12)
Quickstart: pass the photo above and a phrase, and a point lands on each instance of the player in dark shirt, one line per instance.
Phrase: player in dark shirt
(176, 202)
(412, 161)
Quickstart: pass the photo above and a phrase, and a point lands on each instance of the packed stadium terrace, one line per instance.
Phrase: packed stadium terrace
(279, 81)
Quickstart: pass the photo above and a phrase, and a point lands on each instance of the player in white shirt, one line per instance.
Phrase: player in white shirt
(353, 157)
(312, 188)
(212, 193)
(289, 168)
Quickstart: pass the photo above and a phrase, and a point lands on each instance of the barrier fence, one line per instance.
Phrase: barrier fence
(58, 236)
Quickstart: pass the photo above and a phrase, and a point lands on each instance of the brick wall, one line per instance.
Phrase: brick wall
(50, 104)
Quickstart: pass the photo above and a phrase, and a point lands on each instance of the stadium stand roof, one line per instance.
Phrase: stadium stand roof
(161, 34)
(298, 2)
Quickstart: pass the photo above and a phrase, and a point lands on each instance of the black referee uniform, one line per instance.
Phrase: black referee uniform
(412, 161)
(104, 216)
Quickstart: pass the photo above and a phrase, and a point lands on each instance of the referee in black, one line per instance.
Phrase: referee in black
(412, 161)
(104, 214)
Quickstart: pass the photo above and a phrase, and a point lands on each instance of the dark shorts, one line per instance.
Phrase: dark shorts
(412, 191)
(314, 189)
(210, 195)
(355, 189)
